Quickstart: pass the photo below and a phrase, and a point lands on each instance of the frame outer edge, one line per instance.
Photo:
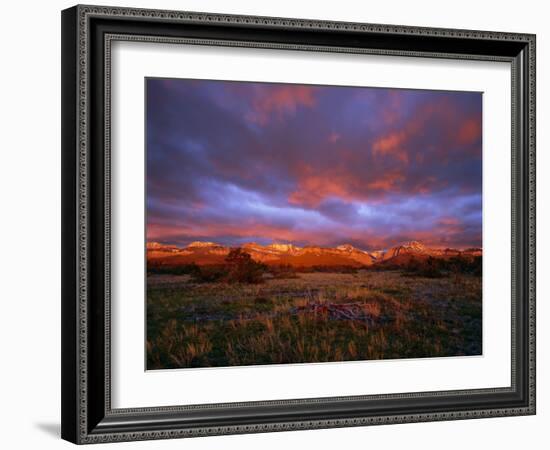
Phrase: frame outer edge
(69, 313)
(75, 240)
(532, 143)
(294, 23)
(83, 220)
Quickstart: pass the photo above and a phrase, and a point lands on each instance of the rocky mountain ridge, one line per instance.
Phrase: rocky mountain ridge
(204, 253)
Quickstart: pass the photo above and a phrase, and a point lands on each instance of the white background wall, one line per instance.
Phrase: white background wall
(30, 223)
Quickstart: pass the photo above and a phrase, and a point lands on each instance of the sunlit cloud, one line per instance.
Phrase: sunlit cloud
(233, 162)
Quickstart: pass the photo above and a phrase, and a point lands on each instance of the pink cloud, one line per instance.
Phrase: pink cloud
(314, 188)
(470, 131)
(315, 185)
(280, 100)
(387, 182)
(392, 144)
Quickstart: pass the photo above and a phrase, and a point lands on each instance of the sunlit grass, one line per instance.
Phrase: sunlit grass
(384, 315)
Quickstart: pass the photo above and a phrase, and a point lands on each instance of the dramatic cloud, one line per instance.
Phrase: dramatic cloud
(235, 162)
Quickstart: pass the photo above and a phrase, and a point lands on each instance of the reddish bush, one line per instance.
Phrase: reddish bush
(241, 268)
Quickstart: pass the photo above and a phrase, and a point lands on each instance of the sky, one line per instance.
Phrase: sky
(235, 162)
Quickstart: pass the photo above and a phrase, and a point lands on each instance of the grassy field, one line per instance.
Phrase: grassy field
(314, 317)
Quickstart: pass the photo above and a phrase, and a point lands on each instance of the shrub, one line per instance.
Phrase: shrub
(283, 271)
(182, 269)
(477, 266)
(241, 268)
(432, 268)
(209, 274)
(429, 268)
(339, 268)
(460, 264)
(438, 267)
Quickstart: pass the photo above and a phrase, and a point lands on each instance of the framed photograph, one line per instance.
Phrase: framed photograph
(280, 224)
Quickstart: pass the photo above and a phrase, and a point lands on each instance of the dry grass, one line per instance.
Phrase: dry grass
(216, 324)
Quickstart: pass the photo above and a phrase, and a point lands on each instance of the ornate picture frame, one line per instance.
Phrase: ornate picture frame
(88, 33)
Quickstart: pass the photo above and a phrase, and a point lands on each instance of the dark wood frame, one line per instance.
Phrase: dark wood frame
(87, 32)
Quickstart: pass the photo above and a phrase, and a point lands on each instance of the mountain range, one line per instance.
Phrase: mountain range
(204, 253)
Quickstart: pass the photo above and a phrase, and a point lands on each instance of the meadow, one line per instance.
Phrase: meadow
(311, 317)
